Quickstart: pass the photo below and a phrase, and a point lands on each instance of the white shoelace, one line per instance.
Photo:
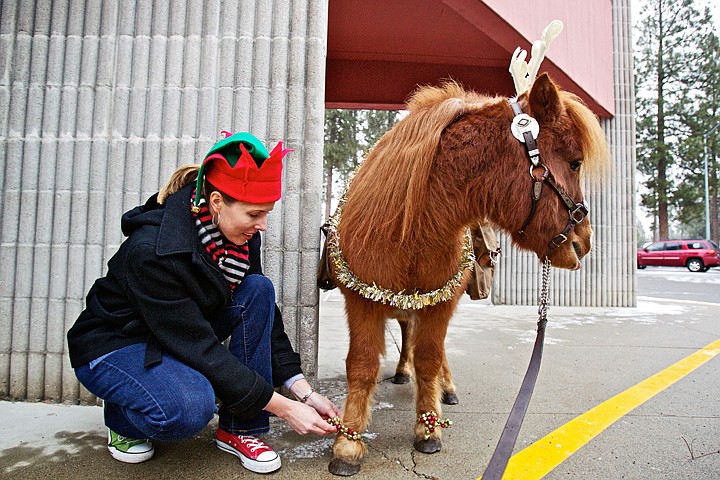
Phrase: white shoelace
(254, 443)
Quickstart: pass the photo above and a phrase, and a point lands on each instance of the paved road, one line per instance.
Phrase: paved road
(679, 284)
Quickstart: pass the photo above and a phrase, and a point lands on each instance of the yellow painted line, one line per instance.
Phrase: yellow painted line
(538, 459)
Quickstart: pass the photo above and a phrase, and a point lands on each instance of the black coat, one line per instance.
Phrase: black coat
(163, 288)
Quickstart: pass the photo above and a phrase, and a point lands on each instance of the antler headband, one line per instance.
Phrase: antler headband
(523, 74)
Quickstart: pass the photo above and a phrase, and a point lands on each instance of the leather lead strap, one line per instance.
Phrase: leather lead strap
(503, 451)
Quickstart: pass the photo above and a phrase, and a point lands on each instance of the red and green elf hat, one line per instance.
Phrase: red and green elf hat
(235, 170)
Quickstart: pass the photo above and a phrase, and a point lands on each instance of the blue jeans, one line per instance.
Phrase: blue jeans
(170, 400)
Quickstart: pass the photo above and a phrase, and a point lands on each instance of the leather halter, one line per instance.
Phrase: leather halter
(525, 129)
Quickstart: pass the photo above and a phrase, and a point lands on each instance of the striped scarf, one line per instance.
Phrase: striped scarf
(232, 259)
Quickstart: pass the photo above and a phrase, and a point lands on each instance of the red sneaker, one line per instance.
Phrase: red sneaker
(254, 454)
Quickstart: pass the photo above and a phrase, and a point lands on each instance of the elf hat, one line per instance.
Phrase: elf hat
(235, 170)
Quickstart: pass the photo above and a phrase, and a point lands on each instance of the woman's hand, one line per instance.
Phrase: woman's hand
(323, 406)
(301, 417)
(306, 394)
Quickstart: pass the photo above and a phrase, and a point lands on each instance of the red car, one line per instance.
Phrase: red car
(696, 255)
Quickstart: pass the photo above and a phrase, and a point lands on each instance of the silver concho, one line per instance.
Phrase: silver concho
(524, 123)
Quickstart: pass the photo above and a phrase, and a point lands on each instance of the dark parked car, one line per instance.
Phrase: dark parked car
(696, 255)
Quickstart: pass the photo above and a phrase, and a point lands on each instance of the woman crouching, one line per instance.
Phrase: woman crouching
(188, 277)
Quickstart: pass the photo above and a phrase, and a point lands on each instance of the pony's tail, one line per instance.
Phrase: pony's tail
(181, 177)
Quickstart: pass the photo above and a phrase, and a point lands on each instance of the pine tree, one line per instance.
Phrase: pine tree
(349, 135)
(705, 125)
(341, 146)
(667, 86)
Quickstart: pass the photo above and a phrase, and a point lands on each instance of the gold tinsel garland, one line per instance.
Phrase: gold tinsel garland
(376, 293)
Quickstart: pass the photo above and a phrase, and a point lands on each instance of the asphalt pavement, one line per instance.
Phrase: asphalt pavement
(594, 357)
(679, 283)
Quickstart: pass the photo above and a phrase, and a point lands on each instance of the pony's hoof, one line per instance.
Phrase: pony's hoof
(450, 398)
(401, 379)
(342, 469)
(431, 445)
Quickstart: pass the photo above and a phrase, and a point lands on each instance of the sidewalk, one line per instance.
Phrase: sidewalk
(591, 354)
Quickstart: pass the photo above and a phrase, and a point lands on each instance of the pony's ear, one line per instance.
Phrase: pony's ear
(544, 100)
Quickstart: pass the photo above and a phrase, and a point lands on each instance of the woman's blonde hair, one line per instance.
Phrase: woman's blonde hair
(181, 177)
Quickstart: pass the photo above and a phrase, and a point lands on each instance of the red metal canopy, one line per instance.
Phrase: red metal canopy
(379, 51)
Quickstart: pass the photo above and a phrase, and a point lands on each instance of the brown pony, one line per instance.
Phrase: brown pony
(450, 162)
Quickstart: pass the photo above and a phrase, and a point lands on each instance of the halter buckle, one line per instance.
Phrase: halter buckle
(579, 214)
(559, 240)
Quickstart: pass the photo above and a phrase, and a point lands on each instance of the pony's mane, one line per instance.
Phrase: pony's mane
(427, 96)
(403, 158)
(591, 137)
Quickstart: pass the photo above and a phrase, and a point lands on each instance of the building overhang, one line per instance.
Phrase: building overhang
(380, 51)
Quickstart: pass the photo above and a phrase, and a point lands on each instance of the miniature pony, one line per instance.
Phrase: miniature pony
(401, 231)
(450, 162)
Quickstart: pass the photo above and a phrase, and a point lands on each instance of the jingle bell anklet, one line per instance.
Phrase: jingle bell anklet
(351, 434)
(431, 422)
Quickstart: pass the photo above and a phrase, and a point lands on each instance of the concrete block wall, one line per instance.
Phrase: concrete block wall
(100, 101)
(607, 276)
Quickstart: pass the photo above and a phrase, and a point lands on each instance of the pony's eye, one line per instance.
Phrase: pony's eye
(575, 166)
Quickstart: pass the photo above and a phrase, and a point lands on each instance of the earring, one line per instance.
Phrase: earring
(215, 219)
